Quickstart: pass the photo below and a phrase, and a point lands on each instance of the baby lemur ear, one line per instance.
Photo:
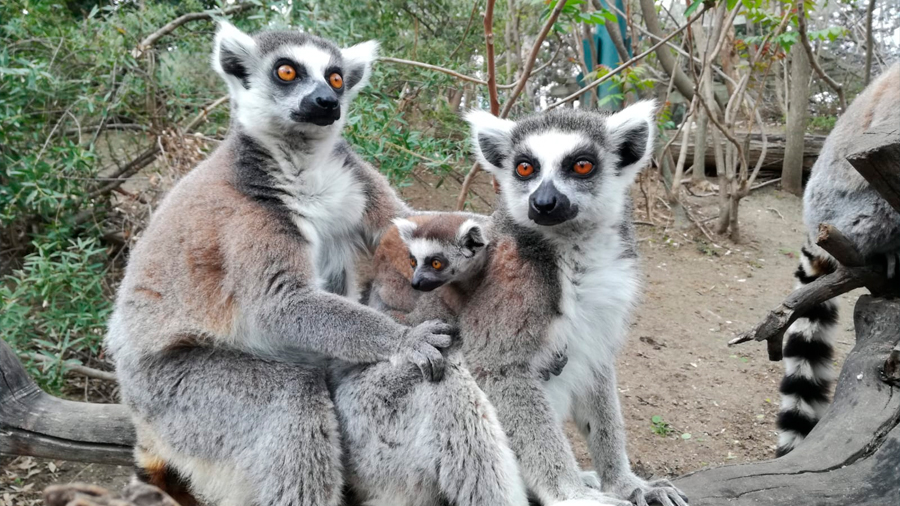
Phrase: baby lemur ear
(490, 138)
(234, 56)
(631, 133)
(358, 62)
(406, 228)
(471, 238)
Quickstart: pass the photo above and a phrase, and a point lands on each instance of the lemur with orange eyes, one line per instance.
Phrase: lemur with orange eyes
(237, 316)
(560, 280)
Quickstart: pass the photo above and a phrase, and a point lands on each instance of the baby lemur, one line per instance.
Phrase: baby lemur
(238, 306)
(560, 278)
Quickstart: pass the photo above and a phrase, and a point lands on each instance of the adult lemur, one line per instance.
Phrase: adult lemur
(838, 195)
(237, 301)
(561, 276)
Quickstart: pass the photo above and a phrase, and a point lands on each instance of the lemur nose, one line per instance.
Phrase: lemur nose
(327, 103)
(544, 203)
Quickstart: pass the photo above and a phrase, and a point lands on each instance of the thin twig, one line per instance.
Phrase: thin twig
(532, 57)
(627, 64)
(804, 40)
(80, 369)
(447, 71)
(186, 18)
(462, 39)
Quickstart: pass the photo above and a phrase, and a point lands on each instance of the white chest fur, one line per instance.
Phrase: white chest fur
(599, 290)
(328, 203)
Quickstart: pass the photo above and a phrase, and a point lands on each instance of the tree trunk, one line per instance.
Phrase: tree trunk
(870, 43)
(852, 456)
(682, 82)
(792, 170)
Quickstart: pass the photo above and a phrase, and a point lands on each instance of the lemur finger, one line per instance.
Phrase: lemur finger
(662, 498)
(637, 498)
(436, 360)
(423, 364)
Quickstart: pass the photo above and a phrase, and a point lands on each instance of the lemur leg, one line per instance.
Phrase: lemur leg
(808, 355)
(598, 414)
(275, 440)
(544, 452)
(409, 441)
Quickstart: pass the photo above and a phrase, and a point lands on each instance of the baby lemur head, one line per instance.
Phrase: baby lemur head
(449, 248)
(287, 81)
(565, 166)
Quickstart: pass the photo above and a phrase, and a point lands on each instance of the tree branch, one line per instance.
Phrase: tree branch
(90, 372)
(435, 68)
(186, 18)
(529, 64)
(629, 63)
(804, 39)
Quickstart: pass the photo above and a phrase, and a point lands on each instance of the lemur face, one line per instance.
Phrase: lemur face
(564, 166)
(286, 81)
(441, 254)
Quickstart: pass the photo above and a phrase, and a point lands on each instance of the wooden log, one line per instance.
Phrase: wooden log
(772, 164)
(852, 456)
(40, 425)
(877, 157)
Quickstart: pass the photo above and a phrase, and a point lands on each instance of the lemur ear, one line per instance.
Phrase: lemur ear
(490, 138)
(631, 132)
(471, 237)
(358, 61)
(406, 228)
(234, 56)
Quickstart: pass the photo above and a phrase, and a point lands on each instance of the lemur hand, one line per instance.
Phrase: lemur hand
(556, 365)
(421, 345)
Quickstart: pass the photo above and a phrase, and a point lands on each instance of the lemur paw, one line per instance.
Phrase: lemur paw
(644, 493)
(591, 480)
(557, 363)
(421, 345)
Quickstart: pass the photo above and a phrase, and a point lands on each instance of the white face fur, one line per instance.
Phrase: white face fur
(562, 170)
(438, 260)
(284, 82)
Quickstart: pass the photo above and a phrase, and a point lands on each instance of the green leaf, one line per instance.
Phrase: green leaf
(656, 419)
(731, 4)
(693, 7)
(686, 435)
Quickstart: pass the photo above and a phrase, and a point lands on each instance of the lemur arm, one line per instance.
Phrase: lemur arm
(280, 311)
(545, 456)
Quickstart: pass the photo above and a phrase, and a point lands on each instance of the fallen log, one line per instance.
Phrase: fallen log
(852, 456)
(774, 152)
(35, 423)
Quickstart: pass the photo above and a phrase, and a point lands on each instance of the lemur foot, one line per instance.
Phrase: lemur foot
(643, 493)
(591, 480)
(555, 367)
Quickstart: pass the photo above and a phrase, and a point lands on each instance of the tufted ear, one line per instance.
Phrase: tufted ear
(234, 56)
(406, 228)
(631, 132)
(490, 138)
(471, 238)
(358, 62)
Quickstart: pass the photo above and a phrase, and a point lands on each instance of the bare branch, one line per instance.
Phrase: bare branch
(462, 39)
(629, 63)
(90, 372)
(180, 20)
(804, 39)
(447, 71)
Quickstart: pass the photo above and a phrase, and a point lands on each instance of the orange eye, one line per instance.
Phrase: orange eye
(287, 73)
(336, 81)
(412, 262)
(524, 169)
(437, 265)
(583, 167)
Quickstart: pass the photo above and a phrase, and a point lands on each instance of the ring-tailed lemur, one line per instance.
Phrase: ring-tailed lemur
(568, 278)
(236, 304)
(838, 195)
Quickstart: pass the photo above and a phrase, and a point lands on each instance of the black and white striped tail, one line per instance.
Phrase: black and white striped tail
(808, 357)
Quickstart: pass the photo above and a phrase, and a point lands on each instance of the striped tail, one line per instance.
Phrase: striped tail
(808, 355)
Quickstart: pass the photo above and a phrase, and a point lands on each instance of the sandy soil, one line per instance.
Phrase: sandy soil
(716, 405)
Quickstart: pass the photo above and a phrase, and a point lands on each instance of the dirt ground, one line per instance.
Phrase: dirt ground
(712, 405)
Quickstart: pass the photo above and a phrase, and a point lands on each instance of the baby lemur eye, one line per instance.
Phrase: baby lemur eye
(336, 81)
(524, 169)
(412, 262)
(437, 265)
(286, 73)
(583, 167)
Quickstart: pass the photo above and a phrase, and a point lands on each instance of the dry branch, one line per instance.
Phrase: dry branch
(435, 68)
(804, 40)
(90, 372)
(193, 16)
(627, 64)
(40, 425)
